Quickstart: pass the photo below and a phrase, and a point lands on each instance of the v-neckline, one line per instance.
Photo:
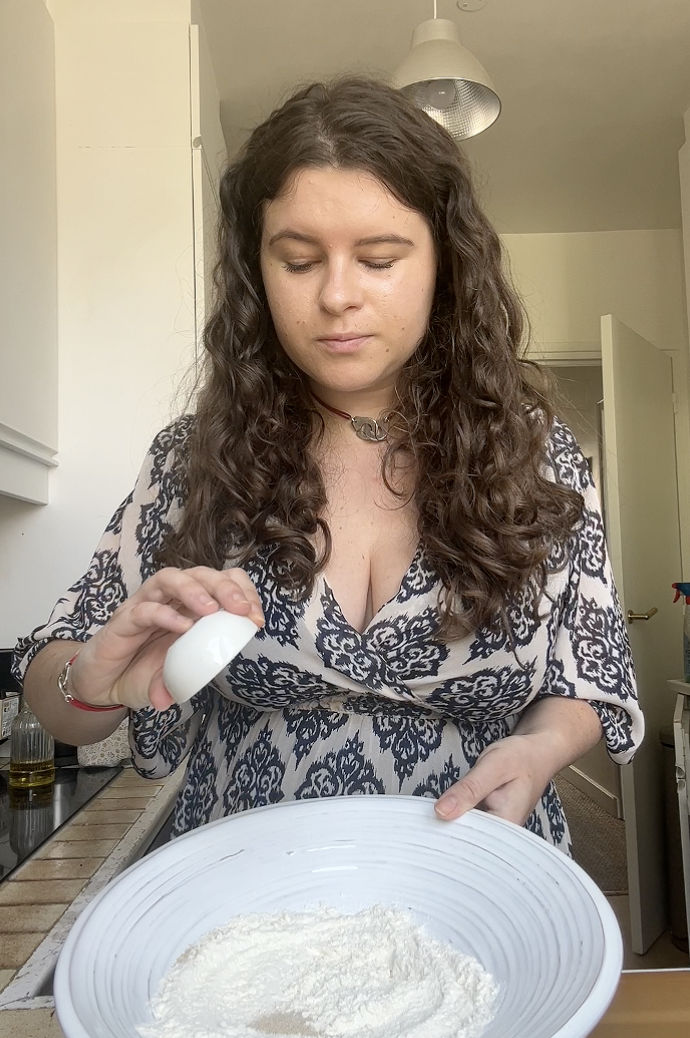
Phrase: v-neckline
(377, 614)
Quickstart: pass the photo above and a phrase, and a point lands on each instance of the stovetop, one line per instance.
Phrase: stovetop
(29, 820)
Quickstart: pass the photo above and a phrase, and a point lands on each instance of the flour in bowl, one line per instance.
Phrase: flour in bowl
(322, 974)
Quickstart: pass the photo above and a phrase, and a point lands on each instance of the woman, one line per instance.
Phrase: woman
(372, 476)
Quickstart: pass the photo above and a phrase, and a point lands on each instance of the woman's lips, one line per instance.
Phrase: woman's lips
(341, 344)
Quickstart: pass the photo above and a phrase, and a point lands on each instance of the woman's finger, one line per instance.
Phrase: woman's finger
(233, 590)
(202, 590)
(159, 697)
(186, 586)
(246, 583)
(135, 624)
(487, 775)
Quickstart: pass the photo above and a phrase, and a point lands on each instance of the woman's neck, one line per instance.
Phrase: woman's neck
(366, 403)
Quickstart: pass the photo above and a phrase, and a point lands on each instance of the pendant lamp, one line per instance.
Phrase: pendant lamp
(446, 81)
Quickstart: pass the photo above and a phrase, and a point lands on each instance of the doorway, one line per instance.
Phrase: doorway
(591, 788)
(579, 403)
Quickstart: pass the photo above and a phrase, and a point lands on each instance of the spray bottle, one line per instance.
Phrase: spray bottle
(684, 590)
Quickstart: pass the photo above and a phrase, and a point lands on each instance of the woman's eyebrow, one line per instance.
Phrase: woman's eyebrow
(378, 239)
(385, 239)
(293, 236)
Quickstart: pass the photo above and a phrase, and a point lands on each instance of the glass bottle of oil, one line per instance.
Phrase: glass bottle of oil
(32, 753)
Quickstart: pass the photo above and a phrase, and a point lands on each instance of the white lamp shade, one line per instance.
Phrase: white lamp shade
(446, 81)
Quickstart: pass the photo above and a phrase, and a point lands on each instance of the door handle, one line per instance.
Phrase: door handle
(642, 616)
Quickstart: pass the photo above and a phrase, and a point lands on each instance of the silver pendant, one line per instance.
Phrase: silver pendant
(370, 429)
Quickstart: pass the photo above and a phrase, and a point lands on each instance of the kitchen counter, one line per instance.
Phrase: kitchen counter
(649, 1004)
(43, 897)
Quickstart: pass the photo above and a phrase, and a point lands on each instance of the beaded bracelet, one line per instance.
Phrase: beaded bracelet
(63, 677)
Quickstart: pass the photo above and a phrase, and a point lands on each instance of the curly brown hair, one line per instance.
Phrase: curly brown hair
(471, 413)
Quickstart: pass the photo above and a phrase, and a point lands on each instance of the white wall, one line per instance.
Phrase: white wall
(569, 281)
(126, 280)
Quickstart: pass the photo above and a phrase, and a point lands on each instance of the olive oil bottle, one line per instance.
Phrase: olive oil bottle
(32, 753)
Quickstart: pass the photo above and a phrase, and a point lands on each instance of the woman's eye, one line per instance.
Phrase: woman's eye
(299, 268)
(302, 268)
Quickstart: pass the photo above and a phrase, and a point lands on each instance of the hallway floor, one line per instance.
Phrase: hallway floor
(662, 955)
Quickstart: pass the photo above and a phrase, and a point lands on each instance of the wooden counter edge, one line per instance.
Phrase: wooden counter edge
(649, 1004)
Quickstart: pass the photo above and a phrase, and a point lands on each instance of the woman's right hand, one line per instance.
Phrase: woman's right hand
(122, 664)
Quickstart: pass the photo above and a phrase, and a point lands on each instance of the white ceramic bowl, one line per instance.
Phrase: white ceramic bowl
(532, 918)
(203, 651)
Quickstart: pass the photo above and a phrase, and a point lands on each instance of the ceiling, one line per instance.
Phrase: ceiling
(593, 93)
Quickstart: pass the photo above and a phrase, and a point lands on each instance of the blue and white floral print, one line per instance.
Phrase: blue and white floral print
(314, 708)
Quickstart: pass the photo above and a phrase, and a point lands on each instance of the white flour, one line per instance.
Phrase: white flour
(322, 974)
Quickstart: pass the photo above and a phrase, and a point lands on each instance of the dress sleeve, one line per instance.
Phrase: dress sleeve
(589, 654)
(123, 559)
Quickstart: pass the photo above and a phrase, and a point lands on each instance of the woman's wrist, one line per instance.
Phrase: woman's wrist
(76, 727)
(560, 730)
(65, 683)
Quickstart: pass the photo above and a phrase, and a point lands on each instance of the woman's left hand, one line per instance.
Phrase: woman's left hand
(508, 780)
(511, 774)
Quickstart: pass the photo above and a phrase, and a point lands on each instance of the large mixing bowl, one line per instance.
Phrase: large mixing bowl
(532, 918)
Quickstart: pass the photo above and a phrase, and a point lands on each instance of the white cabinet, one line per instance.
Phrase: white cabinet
(28, 250)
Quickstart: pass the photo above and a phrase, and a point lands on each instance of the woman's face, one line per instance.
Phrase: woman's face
(349, 274)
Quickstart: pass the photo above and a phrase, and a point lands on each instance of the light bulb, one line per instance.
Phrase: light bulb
(439, 93)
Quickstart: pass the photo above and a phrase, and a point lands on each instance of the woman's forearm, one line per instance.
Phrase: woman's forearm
(565, 728)
(64, 722)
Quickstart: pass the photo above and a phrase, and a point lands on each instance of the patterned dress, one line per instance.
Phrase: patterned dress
(313, 708)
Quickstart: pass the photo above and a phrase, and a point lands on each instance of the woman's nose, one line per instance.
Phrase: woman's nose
(341, 287)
